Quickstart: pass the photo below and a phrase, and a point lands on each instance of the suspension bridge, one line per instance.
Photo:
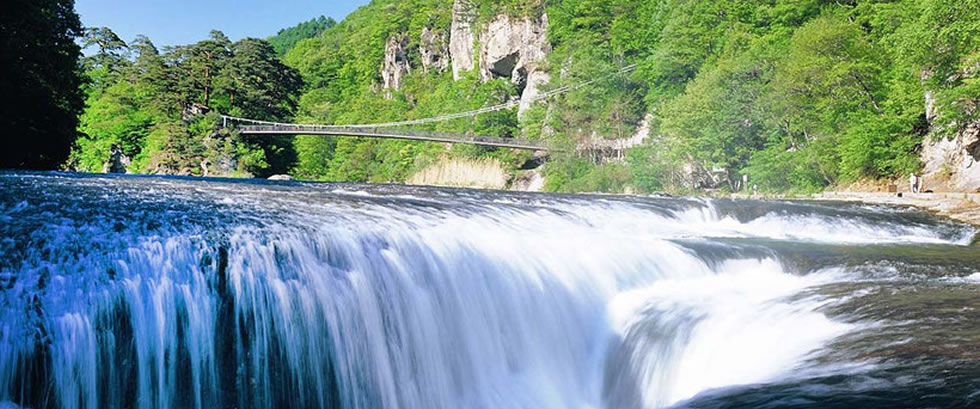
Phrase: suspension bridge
(396, 130)
(251, 128)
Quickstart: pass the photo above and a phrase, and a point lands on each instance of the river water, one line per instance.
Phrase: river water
(148, 292)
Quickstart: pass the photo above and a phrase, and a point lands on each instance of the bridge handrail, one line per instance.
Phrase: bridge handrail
(301, 129)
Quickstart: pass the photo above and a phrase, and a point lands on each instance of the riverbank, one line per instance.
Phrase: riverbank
(963, 207)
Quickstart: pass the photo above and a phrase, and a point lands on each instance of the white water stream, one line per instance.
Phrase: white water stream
(572, 304)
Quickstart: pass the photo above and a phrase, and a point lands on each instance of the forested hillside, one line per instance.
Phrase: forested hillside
(796, 95)
(287, 38)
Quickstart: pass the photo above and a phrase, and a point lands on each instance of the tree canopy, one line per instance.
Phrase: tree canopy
(287, 38)
(40, 80)
(142, 106)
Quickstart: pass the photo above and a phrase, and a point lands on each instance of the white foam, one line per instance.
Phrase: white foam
(736, 327)
(476, 305)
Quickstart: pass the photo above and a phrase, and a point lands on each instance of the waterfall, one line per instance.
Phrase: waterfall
(168, 294)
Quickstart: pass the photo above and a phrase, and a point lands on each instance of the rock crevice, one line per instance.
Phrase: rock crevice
(396, 64)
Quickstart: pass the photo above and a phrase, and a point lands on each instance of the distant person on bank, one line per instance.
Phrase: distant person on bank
(915, 183)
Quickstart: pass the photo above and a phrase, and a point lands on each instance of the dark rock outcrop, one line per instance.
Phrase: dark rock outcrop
(433, 48)
(117, 162)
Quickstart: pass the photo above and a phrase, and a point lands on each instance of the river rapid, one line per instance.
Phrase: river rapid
(152, 292)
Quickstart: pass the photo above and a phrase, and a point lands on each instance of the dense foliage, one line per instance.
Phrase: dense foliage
(794, 95)
(156, 112)
(797, 95)
(341, 69)
(39, 81)
(287, 38)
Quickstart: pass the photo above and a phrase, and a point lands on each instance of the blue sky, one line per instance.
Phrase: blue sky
(173, 22)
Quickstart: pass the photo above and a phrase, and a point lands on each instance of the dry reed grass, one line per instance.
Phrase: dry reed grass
(472, 173)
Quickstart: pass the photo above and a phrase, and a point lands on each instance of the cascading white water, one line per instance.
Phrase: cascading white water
(358, 303)
(736, 325)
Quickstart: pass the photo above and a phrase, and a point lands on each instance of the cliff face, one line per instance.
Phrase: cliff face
(461, 38)
(516, 49)
(508, 47)
(511, 48)
(433, 50)
(396, 64)
(952, 161)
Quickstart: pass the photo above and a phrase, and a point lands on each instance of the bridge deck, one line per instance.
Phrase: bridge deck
(394, 134)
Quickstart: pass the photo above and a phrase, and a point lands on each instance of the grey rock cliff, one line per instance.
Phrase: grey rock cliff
(117, 162)
(396, 65)
(954, 161)
(951, 161)
(512, 47)
(517, 49)
(509, 47)
(461, 38)
(433, 50)
(536, 79)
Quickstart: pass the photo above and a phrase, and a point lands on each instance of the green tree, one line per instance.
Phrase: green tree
(197, 67)
(114, 119)
(257, 84)
(287, 38)
(944, 40)
(141, 111)
(110, 48)
(110, 59)
(155, 81)
(830, 71)
(688, 38)
(40, 80)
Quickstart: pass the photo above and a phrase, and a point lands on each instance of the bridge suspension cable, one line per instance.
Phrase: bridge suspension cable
(448, 117)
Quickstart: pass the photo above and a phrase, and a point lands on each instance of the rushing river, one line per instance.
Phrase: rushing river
(145, 292)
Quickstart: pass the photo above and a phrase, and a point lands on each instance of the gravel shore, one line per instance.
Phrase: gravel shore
(964, 207)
